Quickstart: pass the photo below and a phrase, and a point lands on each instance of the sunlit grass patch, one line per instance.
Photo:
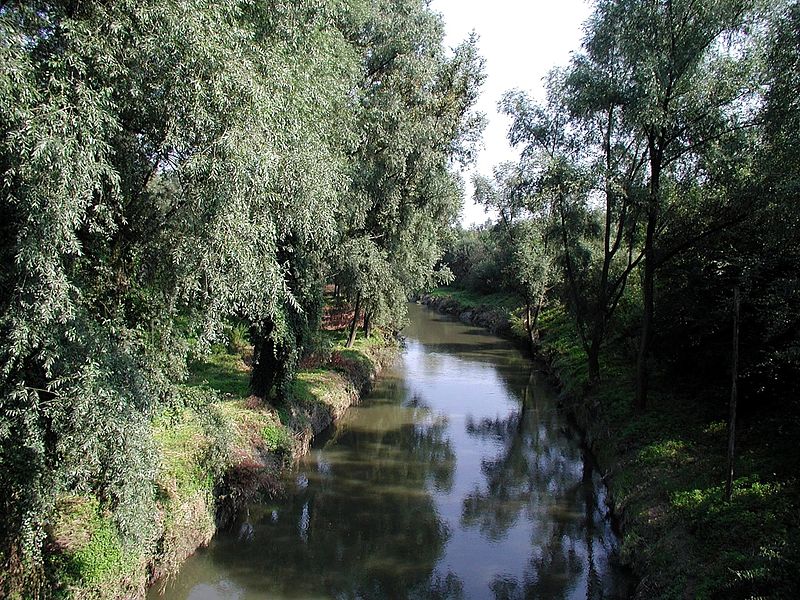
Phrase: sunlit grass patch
(222, 371)
(472, 299)
(325, 388)
(189, 460)
(666, 452)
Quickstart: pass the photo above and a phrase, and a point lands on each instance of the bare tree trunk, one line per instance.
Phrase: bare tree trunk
(734, 394)
(593, 357)
(528, 324)
(648, 283)
(367, 324)
(268, 361)
(538, 311)
(646, 332)
(351, 340)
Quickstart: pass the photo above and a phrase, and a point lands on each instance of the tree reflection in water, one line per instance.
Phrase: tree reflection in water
(457, 479)
(545, 479)
(362, 513)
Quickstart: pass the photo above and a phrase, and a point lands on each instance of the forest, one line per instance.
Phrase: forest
(175, 173)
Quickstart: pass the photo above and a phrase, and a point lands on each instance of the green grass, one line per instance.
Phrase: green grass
(185, 450)
(472, 299)
(667, 467)
(222, 371)
(92, 559)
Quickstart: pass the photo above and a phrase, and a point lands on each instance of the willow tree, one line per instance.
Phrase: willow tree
(414, 120)
(527, 233)
(597, 95)
(159, 160)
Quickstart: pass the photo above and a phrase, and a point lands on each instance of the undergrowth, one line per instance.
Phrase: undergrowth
(215, 444)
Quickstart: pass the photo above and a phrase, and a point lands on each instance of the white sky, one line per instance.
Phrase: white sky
(521, 40)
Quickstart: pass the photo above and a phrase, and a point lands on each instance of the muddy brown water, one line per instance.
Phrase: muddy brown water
(456, 478)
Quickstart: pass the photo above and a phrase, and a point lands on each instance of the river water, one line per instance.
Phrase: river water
(456, 478)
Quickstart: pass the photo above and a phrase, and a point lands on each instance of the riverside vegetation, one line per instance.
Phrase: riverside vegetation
(665, 468)
(649, 235)
(178, 175)
(216, 451)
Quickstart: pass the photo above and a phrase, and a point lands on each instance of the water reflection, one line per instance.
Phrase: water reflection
(457, 479)
(542, 476)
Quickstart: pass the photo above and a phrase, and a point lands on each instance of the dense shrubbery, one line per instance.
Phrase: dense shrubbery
(642, 220)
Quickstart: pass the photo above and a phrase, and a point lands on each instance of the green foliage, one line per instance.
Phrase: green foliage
(194, 449)
(277, 439)
(238, 341)
(471, 299)
(663, 165)
(171, 168)
(666, 468)
(92, 557)
(414, 119)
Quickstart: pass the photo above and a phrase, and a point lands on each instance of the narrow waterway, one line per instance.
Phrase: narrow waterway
(456, 478)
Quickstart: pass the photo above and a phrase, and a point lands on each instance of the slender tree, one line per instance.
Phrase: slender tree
(686, 70)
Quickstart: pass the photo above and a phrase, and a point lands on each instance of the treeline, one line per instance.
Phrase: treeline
(650, 231)
(659, 175)
(170, 168)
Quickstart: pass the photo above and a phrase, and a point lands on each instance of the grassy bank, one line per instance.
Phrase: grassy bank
(665, 471)
(218, 448)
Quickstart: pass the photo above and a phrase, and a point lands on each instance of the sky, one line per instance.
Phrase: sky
(521, 40)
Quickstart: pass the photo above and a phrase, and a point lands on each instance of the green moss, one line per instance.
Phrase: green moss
(277, 439)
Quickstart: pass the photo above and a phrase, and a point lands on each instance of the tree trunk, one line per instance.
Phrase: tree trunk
(648, 283)
(266, 363)
(734, 393)
(593, 356)
(367, 324)
(528, 324)
(646, 332)
(538, 311)
(351, 340)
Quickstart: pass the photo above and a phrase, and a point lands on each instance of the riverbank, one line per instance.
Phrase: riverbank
(218, 448)
(664, 469)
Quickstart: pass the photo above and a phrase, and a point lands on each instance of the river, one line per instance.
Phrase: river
(456, 478)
